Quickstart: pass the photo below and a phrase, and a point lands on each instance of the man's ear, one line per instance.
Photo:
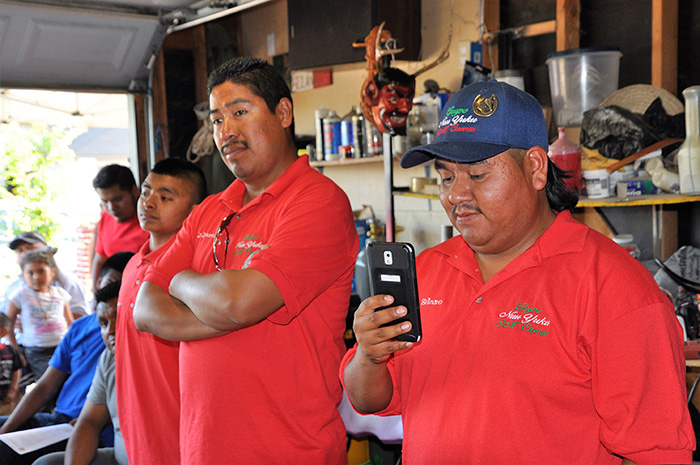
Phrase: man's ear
(285, 112)
(536, 164)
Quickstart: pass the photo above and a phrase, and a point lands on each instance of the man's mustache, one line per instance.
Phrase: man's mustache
(242, 143)
(465, 206)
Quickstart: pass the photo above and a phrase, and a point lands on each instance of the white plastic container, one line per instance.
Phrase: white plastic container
(689, 151)
(596, 184)
(579, 80)
(661, 177)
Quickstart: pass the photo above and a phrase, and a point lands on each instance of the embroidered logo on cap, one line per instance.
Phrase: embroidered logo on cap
(485, 106)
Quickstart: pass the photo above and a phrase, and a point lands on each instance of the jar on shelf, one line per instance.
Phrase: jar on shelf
(626, 241)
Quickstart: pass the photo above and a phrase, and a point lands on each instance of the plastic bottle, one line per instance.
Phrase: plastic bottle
(661, 177)
(331, 136)
(567, 156)
(689, 151)
(318, 119)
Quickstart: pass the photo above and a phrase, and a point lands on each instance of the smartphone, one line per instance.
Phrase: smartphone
(392, 270)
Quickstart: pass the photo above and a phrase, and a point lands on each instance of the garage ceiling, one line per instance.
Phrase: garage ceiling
(90, 44)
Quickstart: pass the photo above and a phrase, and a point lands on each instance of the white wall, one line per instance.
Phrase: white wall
(364, 184)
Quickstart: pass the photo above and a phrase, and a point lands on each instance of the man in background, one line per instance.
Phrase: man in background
(118, 229)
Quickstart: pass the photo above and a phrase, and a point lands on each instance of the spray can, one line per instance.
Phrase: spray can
(346, 132)
(374, 140)
(358, 128)
(331, 136)
(319, 114)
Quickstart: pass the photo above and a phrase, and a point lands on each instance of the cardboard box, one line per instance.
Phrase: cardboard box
(635, 187)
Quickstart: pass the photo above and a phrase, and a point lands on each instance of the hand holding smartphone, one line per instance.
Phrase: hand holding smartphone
(392, 271)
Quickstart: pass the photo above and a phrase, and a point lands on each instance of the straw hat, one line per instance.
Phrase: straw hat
(637, 98)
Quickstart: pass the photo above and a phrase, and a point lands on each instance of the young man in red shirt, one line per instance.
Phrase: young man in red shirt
(258, 300)
(543, 341)
(118, 229)
(147, 367)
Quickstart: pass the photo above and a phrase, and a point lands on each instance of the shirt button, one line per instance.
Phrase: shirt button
(478, 300)
(131, 305)
(138, 281)
(238, 217)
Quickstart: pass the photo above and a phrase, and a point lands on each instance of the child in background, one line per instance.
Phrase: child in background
(44, 310)
(10, 370)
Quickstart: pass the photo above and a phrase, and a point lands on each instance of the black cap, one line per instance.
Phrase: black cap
(28, 237)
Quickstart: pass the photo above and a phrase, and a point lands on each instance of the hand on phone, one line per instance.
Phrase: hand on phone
(375, 341)
(392, 271)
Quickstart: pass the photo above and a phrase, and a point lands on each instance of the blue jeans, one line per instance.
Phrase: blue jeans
(38, 359)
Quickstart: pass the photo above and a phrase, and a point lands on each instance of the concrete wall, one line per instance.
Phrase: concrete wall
(364, 184)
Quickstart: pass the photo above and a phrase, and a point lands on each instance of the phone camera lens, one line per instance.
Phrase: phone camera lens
(388, 258)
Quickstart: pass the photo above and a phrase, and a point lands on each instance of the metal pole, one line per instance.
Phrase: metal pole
(389, 186)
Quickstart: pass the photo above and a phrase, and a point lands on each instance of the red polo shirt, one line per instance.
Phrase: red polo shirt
(113, 237)
(269, 393)
(147, 376)
(569, 354)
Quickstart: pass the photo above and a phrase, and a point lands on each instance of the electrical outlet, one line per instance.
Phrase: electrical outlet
(464, 53)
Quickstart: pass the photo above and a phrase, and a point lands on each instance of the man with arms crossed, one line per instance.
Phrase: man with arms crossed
(257, 285)
(147, 368)
(543, 341)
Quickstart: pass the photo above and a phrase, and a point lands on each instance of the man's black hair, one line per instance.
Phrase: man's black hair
(107, 293)
(116, 262)
(560, 196)
(260, 77)
(114, 175)
(185, 170)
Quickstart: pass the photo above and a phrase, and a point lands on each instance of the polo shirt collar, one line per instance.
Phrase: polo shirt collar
(147, 255)
(232, 196)
(564, 235)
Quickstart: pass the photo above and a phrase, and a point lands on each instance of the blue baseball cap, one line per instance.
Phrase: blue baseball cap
(481, 120)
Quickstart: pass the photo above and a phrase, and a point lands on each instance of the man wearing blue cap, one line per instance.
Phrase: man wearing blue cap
(543, 341)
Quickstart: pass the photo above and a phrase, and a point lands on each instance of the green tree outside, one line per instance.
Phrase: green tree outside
(37, 168)
(33, 167)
